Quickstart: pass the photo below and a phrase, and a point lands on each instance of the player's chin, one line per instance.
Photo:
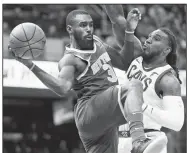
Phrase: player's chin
(146, 51)
(89, 44)
(146, 55)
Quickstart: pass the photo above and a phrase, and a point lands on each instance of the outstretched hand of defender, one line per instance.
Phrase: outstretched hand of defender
(26, 62)
(133, 18)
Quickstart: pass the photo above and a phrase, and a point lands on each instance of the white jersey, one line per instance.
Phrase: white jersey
(148, 77)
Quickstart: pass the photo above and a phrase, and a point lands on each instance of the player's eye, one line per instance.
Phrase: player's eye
(91, 24)
(157, 38)
(83, 24)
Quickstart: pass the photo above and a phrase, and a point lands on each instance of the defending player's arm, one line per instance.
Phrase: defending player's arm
(172, 114)
(116, 16)
(119, 25)
(122, 59)
(126, 55)
(61, 85)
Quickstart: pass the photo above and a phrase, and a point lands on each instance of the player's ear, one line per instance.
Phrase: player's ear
(167, 50)
(69, 29)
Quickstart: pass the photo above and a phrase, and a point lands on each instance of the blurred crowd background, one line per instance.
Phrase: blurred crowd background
(28, 120)
(52, 20)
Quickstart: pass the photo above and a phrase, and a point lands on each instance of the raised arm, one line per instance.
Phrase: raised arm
(116, 16)
(119, 25)
(61, 85)
(171, 115)
(127, 54)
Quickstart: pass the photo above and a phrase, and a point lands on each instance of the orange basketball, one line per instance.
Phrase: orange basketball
(27, 40)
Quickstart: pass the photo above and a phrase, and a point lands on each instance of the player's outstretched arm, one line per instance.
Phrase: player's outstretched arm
(171, 115)
(61, 85)
(123, 58)
(119, 25)
(117, 18)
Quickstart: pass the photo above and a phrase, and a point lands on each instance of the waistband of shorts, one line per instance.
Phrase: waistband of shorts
(126, 134)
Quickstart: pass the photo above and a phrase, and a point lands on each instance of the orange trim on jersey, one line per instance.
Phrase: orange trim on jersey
(86, 69)
(82, 51)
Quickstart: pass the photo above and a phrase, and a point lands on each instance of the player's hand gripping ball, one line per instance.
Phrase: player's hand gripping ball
(27, 41)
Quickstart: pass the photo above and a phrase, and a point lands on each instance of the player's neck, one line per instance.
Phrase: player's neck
(73, 43)
(154, 62)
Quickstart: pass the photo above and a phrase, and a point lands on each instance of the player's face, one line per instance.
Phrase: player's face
(155, 45)
(83, 31)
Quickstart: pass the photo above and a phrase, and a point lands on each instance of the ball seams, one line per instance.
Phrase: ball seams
(28, 50)
(33, 33)
(27, 41)
(29, 44)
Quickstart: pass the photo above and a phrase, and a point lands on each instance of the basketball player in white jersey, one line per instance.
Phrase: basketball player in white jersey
(154, 65)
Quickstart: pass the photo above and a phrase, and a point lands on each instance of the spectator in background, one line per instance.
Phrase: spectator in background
(52, 30)
(62, 147)
(6, 28)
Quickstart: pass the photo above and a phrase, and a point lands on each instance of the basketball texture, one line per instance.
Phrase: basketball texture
(27, 41)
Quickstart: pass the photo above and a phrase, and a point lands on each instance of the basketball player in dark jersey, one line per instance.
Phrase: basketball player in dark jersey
(102, 104)
(155, 65)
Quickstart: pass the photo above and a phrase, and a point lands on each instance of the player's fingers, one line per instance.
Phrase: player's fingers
(140, 16)
(135, 17)
(11, 52)
(136, 11)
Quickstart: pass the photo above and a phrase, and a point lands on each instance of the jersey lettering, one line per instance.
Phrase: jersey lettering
(136, 73)
(147, 82)
(101, 62)
(103, 59)
(112, 76)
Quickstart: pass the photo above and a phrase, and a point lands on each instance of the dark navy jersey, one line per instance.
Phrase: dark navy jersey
(99, 74)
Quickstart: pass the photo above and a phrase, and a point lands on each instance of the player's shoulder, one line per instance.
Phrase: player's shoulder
(98, 41)
(67, 59)
(169, 84)
(169, 78)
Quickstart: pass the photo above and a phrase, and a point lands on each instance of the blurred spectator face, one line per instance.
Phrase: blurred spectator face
(155, 45)
(82, 30)
(52, 30)
(63, 145)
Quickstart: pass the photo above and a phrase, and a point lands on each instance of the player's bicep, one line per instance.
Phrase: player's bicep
(67, 76)
(67, 71)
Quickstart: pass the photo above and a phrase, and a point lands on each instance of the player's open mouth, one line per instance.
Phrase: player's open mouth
(89, 37)
(144, 47)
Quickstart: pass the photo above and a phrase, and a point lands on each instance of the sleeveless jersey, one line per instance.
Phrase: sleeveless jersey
(99, 74)
(148, 77)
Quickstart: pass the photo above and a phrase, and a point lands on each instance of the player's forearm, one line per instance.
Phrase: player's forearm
(169, 118)
(116, 58)
(116, 15)
(127, 51)
(51, 82)
(115, 12)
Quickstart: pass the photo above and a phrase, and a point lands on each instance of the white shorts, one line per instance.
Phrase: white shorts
(125, 144)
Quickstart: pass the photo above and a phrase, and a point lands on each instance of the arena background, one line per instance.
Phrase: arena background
(35, 119)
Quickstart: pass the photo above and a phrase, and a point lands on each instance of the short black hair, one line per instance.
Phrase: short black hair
(172, 56)
(73, 14)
